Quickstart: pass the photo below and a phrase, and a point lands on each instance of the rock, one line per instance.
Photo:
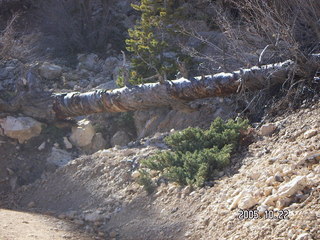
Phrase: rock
(62, 216)
(112, 234)
(267, 191)
(270, 201)
(261, 209)
(120, 138)
(21, 128)
(310, 133)
(107, 85)
(93, 217)
(135, 174)
(82, 134)
(42, 146)
(67, 143)
(236, 200)
(31, 204)
(88, 61)
(290, 188)
(304, 236)
(98, 142)
(310, 158)
(270, 180)
(268, 129)
(78, 221)
(50, 71)
(59, 157)
(282, 203)
(110, 67)
(247, 202)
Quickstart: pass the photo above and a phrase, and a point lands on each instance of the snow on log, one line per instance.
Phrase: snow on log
(170, 93)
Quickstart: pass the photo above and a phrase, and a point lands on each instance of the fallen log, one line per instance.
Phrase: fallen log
(175, 93)
(170, 93)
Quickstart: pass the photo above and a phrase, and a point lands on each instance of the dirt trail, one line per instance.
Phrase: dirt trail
(16, 225)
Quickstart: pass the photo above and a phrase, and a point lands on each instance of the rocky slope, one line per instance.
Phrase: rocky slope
(278, 175)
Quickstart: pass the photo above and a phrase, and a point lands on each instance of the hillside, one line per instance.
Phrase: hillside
(99, 194)
(147, 119)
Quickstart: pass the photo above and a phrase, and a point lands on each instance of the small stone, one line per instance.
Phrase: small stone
(304, 236)
(62, 216)
(270, 180)
(311, 158)
(278, 178)
(113, 234)
(270, 201)
(136, 174)
(187, 190)
(93, 217)
(282, 203)
(42, 146)
(31, 204)
(267, 191)
(310, 133)
(78, 221)
(290, 188)
(261, 209)
(67, 143)
(236, 200)
(247, 202)
(267, 129)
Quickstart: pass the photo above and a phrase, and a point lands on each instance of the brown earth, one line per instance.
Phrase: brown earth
(16, 225)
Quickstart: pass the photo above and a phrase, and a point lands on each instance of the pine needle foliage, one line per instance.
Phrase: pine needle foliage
(196, 154)
(150, 41)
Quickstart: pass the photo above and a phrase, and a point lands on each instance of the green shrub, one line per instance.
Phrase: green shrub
(196, 154)
(146, 181)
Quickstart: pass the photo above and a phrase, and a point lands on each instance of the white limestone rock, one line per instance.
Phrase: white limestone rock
(82, 135)
(290, 188)
(310, 133)
(268, 129)
(21, 128)
(247, 202)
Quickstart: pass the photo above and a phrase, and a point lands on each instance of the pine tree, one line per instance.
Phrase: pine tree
(149, 40)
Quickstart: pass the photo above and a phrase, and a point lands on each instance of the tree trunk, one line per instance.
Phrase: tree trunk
(171, 93)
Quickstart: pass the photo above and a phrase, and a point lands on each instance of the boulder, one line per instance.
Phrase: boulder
(120, 138)
(50, 71)
(82, 134)
(21, 128)
(268, 129)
